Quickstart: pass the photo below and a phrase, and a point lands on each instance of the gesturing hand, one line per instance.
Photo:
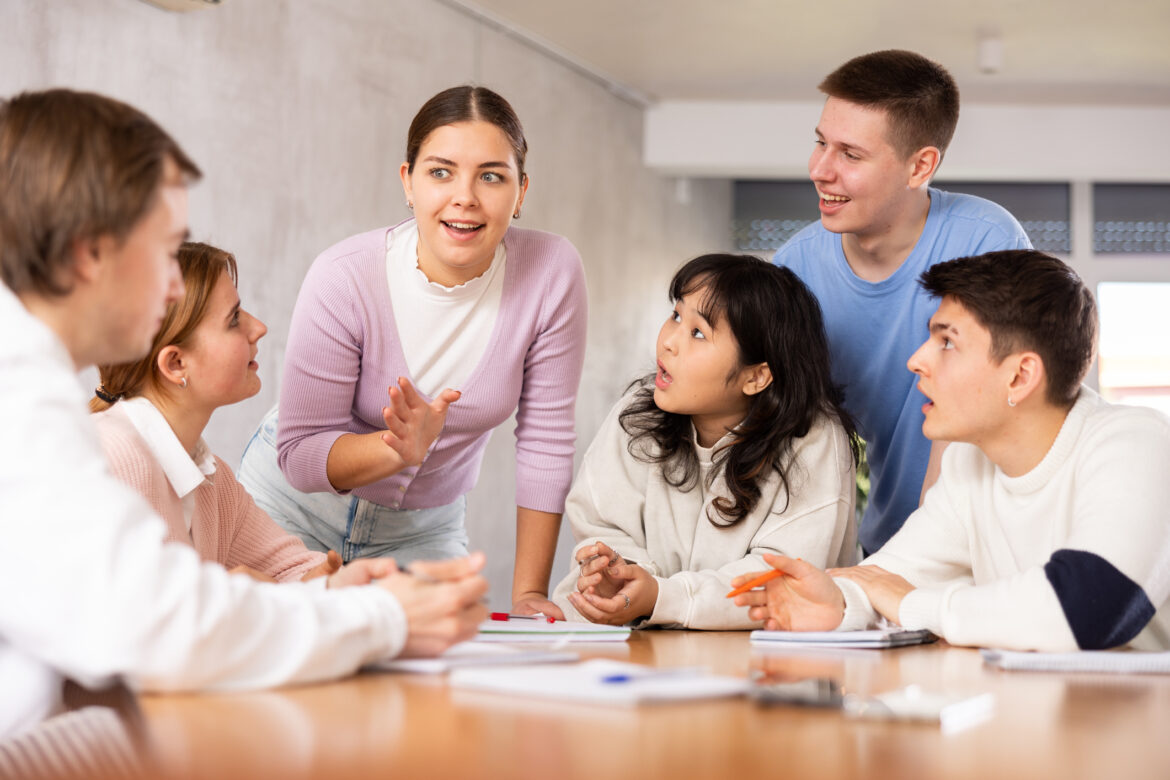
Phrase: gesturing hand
(804, 599)
(412, 424)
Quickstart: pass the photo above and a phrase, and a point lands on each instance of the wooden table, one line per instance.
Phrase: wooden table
(410, 726)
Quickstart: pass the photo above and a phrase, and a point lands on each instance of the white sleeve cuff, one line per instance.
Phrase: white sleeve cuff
(859, 614)
(922, 608)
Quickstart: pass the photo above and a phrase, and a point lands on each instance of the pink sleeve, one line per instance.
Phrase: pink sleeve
(321, 368)
(256, 540)
(545, 419)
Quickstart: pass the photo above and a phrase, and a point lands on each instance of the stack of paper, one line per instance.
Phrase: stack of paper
(876, 638)
(1120, 661)
(602, 681)
(525, 629)
(474, 654)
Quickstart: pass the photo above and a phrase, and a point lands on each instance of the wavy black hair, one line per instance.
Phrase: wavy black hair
(775, 320)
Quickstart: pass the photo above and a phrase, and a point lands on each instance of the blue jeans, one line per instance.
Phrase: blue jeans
(353, 526)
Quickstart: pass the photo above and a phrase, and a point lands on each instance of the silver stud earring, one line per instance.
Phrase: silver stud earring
(183, 383)
(1011, 402)
(410, 205)
(516, 215)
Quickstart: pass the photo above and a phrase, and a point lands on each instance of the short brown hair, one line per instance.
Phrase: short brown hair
(919, 96)
(73, 166)
(201, 266)
(465, 104)
(1026, 300)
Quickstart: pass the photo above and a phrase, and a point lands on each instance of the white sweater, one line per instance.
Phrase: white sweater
(1073, 554)
(626, 503)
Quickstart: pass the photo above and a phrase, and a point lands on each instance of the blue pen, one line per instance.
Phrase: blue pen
(652, 674)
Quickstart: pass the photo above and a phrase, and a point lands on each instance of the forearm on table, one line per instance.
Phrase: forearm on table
(356, 460)
(536, 545)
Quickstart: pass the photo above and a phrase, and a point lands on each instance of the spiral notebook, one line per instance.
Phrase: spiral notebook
(527, 628)
(877, 638)
(1109, 661)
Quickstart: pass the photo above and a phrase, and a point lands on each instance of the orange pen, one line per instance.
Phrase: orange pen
(752, 583)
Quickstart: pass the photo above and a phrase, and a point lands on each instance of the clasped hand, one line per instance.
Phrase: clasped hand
(610, 589)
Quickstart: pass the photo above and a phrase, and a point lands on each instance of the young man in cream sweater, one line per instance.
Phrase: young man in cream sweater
(1047, 528)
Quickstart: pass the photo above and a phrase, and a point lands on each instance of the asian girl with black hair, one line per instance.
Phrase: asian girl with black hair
(736, 446)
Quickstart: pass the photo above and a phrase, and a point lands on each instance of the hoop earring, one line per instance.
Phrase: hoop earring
(183, 383)
(1011, 402)
(410, 205)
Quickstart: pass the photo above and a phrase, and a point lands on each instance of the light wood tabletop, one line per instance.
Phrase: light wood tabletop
(415, 726)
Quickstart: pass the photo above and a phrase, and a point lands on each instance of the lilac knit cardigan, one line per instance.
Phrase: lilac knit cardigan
(344, 353)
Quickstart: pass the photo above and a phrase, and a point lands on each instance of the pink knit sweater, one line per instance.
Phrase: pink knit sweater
(226, 525)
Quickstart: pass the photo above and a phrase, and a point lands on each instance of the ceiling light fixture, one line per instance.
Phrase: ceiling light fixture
(989, 50)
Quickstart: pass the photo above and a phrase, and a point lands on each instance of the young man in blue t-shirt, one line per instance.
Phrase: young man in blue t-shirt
(884, 128)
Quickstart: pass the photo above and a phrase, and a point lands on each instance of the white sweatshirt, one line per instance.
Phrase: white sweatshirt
(1073, 554)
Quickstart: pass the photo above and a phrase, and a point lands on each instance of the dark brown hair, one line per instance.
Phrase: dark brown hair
(73, 166)
(465, 104)
(201, 266)
(775, 320)
(1027, 300)
(920, 98)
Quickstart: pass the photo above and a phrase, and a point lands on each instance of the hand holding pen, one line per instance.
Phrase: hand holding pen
(797, 596)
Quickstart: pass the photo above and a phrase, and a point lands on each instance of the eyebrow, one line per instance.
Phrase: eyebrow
(842, 144)
(453, 164)
(936, 327)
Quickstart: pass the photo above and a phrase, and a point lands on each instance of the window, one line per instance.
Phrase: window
(1131, 218)
(1134, 356)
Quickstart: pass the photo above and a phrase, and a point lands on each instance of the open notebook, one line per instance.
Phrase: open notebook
(474, 654)
(601, 681)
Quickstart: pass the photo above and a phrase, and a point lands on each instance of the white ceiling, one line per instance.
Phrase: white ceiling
(1053, 51)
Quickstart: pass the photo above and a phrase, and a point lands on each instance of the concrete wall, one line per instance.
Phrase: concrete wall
(297, 112)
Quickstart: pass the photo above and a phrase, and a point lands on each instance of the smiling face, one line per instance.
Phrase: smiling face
(139, 275)
(967, 390)
(221, 357)
(465, 187)
(863, 183)
(699, 372)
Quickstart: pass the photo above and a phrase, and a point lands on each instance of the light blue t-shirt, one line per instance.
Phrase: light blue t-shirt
(874, 328)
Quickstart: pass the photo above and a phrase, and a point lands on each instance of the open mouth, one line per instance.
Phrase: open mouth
(462, 228)
(832, 200)
(663, 378)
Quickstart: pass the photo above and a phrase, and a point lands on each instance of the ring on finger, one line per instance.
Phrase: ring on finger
(627, 598)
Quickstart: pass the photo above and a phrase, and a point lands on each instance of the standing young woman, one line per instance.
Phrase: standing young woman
(454, 298)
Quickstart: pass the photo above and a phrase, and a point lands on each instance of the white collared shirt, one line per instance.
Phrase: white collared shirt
(185, 471)
(99, 596)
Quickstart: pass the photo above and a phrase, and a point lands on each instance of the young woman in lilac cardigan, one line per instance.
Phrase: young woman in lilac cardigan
(454, 298)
